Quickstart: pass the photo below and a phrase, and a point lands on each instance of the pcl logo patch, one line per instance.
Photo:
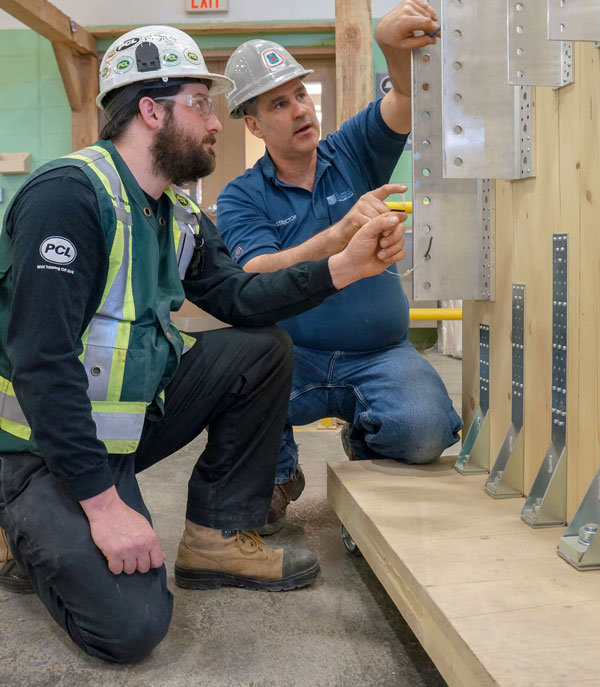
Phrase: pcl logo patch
(170, 58)
(124, 65)
(182, 200)
(272, 58)
(58, 250)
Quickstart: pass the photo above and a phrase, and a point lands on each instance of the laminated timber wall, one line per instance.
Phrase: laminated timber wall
(563, 197)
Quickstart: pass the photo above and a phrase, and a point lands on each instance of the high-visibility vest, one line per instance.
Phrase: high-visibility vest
(128, 357)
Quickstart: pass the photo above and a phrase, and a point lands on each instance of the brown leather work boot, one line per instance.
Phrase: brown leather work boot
(209, 559)
(12, 576)
(282, 495)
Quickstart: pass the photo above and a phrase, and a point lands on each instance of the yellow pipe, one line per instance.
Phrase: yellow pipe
(436, 313)
(404, 206)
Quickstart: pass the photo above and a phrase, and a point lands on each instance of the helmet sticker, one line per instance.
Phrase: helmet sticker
(123, 65)
(105, 71)
(58, 250)
(171, 58)
(192, 56)
(182, 200)
(272, 58)
(129, 43)
(108, 57)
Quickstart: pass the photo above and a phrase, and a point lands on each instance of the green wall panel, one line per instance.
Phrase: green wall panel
(35, 116)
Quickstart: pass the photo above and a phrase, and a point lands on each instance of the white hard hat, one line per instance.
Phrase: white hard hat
(159, 53)
(256, 67)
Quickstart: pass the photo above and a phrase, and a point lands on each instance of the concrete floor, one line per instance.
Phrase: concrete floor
(343, 631)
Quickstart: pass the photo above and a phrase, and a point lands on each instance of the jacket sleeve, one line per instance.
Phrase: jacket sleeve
(224, 290)
(53, 302)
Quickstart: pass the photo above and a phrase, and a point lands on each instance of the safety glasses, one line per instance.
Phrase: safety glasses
(203, 102)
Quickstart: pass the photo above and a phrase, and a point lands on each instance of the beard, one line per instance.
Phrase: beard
(179, 156)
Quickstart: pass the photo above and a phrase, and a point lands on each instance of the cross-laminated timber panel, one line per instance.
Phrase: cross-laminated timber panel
(564, 197)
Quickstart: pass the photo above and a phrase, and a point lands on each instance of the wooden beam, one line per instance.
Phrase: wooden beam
(80, 77)
(84, 119)
(47, 20)
(220, 28)
(353, 57)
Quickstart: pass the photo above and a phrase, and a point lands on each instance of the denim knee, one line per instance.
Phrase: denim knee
(419, 439)
(133, 634)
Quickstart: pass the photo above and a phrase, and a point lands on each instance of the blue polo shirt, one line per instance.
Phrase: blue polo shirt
(257, 213)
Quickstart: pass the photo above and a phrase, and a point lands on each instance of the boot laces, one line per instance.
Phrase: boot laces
(249, 542)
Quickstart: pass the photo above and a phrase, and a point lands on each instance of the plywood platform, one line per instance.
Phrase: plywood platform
(486, 595)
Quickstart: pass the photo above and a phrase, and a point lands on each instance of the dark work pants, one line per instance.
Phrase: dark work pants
(234, 381)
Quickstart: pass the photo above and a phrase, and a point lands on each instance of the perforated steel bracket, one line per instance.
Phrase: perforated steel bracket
(580, 544)
(453, 219)
(547, 502)
(506, 475)
(573, 20)
(534, 60)
(483, 116)
(474, 457)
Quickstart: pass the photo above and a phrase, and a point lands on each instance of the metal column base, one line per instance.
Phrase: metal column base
(474, 458)
(547, 502)
(506, 476)
(580, 544)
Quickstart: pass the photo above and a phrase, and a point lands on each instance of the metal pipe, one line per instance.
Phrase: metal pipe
(400, 206)
(436, 313)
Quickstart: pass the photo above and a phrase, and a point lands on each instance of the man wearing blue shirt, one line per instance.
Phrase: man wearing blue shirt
(304, 200)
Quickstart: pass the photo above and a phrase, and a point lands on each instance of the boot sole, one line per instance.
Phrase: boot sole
(14, 582)
(193, 578)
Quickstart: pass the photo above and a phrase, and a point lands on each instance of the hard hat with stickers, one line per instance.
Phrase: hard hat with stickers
(256, 67)
(159, 53)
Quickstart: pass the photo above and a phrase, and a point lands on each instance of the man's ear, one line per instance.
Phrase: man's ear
(151, 113)
(253, 125)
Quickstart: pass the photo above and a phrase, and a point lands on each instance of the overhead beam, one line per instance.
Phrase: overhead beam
(353, 57)
(220, 28)
(47, 20)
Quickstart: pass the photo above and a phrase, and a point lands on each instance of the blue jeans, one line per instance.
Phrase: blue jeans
(394, 399)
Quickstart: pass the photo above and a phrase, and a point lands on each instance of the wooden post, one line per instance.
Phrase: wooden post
(353, 57)
(80, 77)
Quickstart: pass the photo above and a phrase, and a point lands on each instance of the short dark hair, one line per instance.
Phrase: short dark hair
(120, 119)
(250, 107)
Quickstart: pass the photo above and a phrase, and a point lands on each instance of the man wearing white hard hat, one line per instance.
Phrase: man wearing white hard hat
(97, 249)
(305, 200)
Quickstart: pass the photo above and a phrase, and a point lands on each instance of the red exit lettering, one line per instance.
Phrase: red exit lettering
(205, 4)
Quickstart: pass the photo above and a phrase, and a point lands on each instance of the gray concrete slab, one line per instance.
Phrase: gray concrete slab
(342, 631)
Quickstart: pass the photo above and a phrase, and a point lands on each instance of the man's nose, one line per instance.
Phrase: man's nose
(301, 108)
(213, 124)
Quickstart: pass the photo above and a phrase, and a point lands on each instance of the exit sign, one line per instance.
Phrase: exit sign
(206, 5)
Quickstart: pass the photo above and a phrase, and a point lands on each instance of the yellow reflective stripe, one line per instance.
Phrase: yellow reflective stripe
(118, 446)
(115, 260)
(105, 182)
(12, 418)
(129, 303)
(15, 429)
(117, 368)
(188, 341)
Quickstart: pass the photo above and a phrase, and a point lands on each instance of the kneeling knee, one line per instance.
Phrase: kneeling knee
(134, 637)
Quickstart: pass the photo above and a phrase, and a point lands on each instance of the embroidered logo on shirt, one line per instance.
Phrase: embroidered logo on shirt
(58, 250)
(283, 222)
(238, 252)
(340, 197)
